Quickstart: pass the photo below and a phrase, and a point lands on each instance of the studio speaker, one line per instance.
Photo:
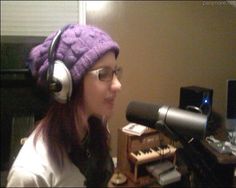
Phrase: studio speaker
(197, 99)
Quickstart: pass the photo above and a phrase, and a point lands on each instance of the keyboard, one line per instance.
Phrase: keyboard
(150, 154)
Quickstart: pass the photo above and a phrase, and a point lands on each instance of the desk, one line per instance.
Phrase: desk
(220, 157)
(220, 134)
(225, 163)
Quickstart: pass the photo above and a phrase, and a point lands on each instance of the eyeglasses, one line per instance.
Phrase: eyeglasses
(106, 73)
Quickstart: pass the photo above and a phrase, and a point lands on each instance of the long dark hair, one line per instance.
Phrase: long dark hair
(59, 128)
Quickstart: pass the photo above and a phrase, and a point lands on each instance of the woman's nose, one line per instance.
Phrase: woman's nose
(115, 85)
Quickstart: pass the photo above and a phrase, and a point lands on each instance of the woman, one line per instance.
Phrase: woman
(70, 145)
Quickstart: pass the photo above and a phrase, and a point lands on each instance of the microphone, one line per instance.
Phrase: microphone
(179, 121)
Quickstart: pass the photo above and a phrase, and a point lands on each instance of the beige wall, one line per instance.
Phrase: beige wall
(167, 45)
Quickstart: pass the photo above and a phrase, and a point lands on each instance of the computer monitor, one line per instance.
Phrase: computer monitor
(231, 105)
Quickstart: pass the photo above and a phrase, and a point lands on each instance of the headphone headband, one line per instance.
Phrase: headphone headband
(52, 51)
(53, 47)
(59, 80)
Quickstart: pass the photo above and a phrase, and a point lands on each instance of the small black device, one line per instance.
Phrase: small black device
(58, 76)
(195, 98)
(231, 105)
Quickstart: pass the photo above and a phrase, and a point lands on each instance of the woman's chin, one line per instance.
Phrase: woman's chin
(109, 114)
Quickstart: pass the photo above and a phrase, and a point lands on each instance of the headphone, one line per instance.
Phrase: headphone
(58, 76)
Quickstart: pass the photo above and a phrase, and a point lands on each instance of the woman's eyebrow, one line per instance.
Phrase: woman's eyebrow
(104, 66)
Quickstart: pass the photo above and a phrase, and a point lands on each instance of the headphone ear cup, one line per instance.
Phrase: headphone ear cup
(62, 78)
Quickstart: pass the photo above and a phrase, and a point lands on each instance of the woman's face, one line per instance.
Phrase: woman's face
(99, 92)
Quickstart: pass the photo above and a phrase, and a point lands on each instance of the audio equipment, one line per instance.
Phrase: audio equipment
(230, 119)
(177, 120)
(145, 155)
(135, 152)
(58, 76)
(164, 171)
(196, 99)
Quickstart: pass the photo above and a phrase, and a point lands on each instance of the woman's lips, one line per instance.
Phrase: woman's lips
(110, 101)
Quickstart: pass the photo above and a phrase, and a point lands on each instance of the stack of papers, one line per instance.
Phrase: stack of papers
(134, 128)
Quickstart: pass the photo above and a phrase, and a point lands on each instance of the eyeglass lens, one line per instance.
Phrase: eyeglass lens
(106, 74)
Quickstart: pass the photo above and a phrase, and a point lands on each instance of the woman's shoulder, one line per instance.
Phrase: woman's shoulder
(31, 166)
(33, 156)
(20, 177)
(35, 164)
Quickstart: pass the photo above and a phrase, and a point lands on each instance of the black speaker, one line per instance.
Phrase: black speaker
(197, 99)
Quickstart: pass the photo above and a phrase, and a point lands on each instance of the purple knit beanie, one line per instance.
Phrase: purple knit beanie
(80, 47)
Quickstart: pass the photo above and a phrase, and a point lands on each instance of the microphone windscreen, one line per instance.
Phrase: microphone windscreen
(142, 113)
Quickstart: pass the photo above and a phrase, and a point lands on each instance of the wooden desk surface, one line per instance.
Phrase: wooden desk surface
(220, 134)
(220, 157)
